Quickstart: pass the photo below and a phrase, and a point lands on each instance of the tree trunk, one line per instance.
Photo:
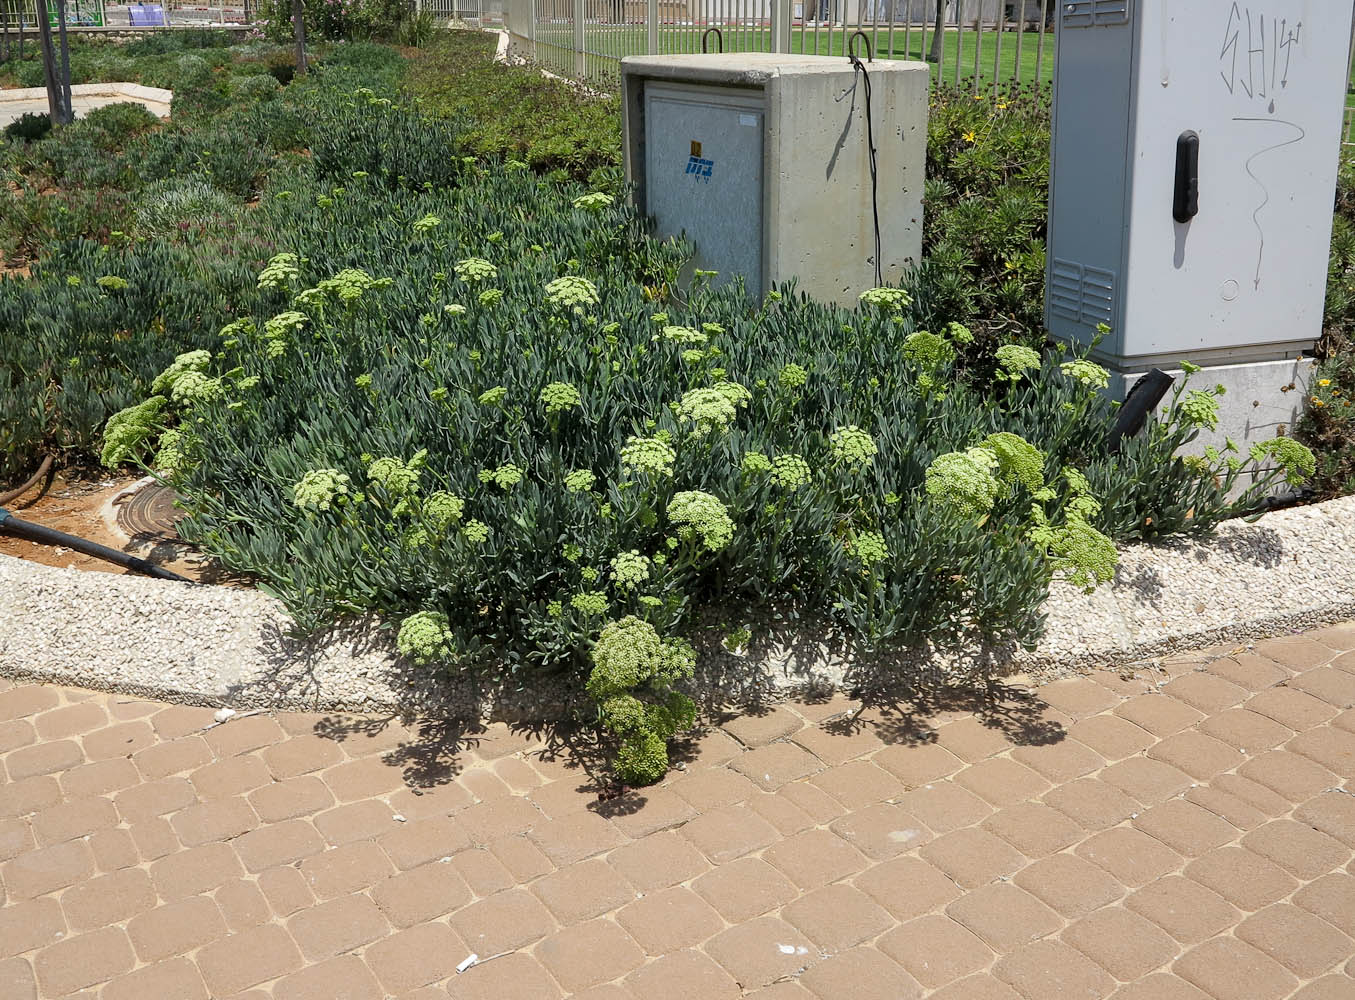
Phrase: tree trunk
(65, 78)
(299, 26)
(51, 68)
(937, 40)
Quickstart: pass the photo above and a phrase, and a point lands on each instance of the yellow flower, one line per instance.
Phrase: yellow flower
(1324, 382)
(1002, 105)
(970, 136)
(1318, 402)
(978, 97)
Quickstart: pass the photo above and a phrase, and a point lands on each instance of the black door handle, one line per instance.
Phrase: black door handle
(1186, 200)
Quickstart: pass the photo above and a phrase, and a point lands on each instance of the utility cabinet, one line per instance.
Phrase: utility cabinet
(762, 161)
(1194, 169)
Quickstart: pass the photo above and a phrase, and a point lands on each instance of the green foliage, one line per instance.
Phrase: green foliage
(29, 126)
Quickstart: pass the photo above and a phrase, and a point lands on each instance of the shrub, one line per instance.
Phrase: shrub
(122, 121)
(29, 126)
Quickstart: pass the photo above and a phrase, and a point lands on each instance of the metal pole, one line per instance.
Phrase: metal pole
(580, 63)
(652, 27)
(781, 15)
(67, 109)
(1039, 50)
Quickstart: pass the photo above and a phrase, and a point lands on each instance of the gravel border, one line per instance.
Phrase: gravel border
(1290, 571)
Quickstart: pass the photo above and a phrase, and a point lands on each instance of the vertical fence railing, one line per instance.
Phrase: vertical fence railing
(979, 44)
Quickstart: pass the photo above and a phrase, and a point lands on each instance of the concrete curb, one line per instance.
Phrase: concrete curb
(1292, 570)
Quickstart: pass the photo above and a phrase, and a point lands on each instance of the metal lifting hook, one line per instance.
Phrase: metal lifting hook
(718, 37)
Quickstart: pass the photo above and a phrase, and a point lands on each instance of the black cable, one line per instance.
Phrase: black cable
(859, 67)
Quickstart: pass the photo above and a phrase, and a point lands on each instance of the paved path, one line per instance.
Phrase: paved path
(1175, 834)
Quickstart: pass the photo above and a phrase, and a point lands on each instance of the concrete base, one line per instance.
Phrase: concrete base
(85, 97)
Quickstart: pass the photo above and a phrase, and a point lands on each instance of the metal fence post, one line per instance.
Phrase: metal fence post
(580, 62)
(652, 27)
(781, 18)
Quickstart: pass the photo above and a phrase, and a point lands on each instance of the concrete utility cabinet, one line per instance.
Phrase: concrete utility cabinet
(761, 159)
(1194, 168)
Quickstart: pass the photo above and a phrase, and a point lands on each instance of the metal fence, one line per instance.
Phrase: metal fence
(475, 13)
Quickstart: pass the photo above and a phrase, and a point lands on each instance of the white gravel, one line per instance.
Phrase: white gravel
(1290, 571)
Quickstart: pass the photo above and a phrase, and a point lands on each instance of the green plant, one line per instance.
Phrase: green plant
(29, 126)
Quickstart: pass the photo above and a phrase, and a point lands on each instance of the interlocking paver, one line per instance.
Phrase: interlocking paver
(1190, 844)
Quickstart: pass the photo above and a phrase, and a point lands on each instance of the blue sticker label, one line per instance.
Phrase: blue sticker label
(700, 168)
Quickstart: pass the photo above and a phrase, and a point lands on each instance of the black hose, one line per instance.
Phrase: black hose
(38, 476)
(859, 67)
(1146, 393)
(30, 532)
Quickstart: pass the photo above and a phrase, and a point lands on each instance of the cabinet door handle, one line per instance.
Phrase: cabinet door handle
(1186, 199)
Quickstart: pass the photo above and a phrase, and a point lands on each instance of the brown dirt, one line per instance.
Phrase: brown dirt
(75, 507)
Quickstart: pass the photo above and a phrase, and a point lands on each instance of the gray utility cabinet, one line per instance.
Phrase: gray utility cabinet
(761, 160)
(1194, 166)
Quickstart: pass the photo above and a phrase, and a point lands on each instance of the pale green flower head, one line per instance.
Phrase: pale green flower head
(507, 476)
(590, 602)
(425, 637)
(195, 387)
(363, 381)
(1297, 461)
(490, 297)
(693, 356)
(868, 548)
(351, 284)
(572, 292)
(735, 393)
(170, 457)
(790, 472)
(494, 396)
(630, 653)
(791, 377)
(887, 299)
(1015, 360)
(630, 569)
(559, 397)
(128, 430)
(191, 361)
(1075, 549)
(1089, 373)
(555, 609)
(580, 481)
(284, 323)
(443, 509)
(853, 447)
(707, 409)
(1018, 460)
(111, 283)
(701, 515)
(959, 333)
(684, 335)
(927, 350)
(652, 456)
(280, 271)
(426, 225)
(476, 532)
(756, 463)
(964, 481)
(320, 489)
(397, 478)
(454, 309)
(473, 269)
(596, 202)
(589, 574)
(1200, 408)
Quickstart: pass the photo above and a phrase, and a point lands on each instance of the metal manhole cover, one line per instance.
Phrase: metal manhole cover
(149, 514)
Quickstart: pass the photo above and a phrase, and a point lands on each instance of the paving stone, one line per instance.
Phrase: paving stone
(1001, 781)
(1301, 850)
(774, 765)
(1292, 708)
(83, 960)
(1034, 829)
(1197, 754)
(658, 861)
(907, 887)
(781, 812)
(1149, 781)
(1229, 969)
(1332, 898)
(1121, 942)
(1131, 856)
(837, 917)
(1226, 806)
(918, 765)
(1300, 652)
(176, 928)
(1247, 730)
(416, 956)
(1077, 697)
(243, 734)
(729, 832)
(1160, 986)
(155, 798)
(1244, 878)
(20, 798)
(331, 928)
(418, 842)
(362, 779)
(285, 890)
(984, 986)
(972, 857)
(30, 924)
(1092, 803)
(1070, 885)
(835, 743)
(882, 831)
(711, 788)
(47, 869)
(43, 758)
(1256, 795)
(1290, 775)
(289, 799)
(279, 844)
(355, 821)
(211, 822)
(1158, 715)
(1205, 692)
(521, 857)
(180, 720)
(1186, 828)
(1333, 748)
(27, 701)
(16, 733)
(1183, 908)
(177, 978)
(75, 817)
(971, 740)
(813, 801)
(343, 978)
(858, 784)
(862, 973)
(935, 950)
(242, 904)
(1112, 737)
(588, 954)
(482, 871)
(16, 837)
(639, 814)
(944, 806)
(756, 730)
(1304, 944)
(1334, 987)
(815, 857)
(583, 890)
(1051, 970)
(1330, 684)
(201, 869)
(108, 899)
(756, 952)
(70, 720)
(506, 921)
(744, 889)
(112, 850)
(670, 919)
(681, 975)
(1004, 915)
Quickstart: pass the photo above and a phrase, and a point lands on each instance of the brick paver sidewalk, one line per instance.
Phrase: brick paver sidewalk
(1172, 834)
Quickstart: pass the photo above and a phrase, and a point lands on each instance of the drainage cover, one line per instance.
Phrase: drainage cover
(149, 515)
